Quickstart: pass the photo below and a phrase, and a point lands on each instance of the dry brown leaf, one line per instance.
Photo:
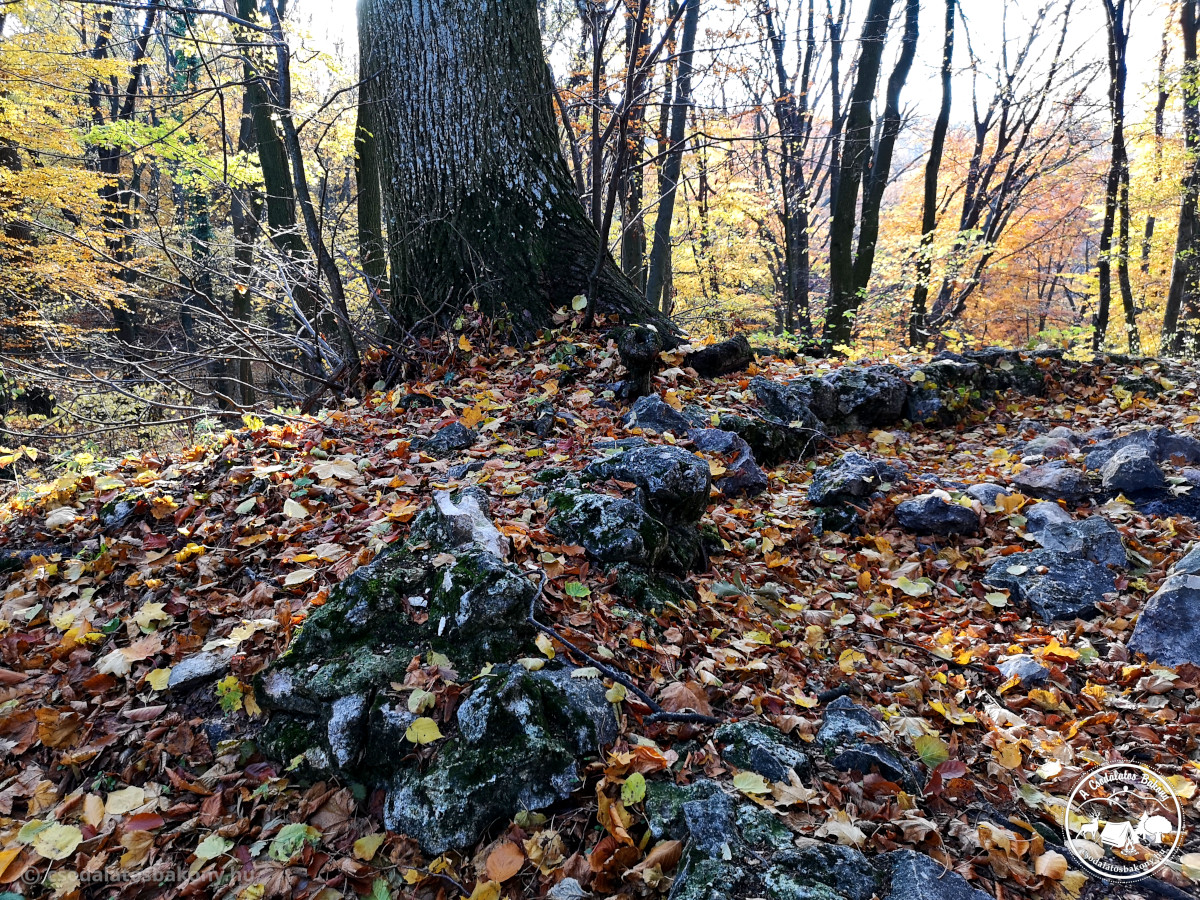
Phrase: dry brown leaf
(505, 861)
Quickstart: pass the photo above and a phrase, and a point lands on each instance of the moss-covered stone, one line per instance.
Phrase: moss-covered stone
(649, 591)
(519, 736)
(610, 529)
(772, 440)
(673, 484)
(762, 749)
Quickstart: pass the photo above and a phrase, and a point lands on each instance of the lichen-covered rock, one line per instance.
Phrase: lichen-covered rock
(846, 721)
(710, 820)
(448, 441)
(786, 403)
(772, 440)
(673, 484)
(915, 876)
(1160, 444)
(1168, 628)
(404, 604)
(1056, 585)
(852, 477)
(1053, 481)
(610, 529)
(742, 476)
(987, 494)
(198, 668)
(852, 398)
(1041, 515)
(762, 749)
(1048, 447)
(518, 740)
(934, 514)
(649, 591)
(1131, 470)
(652, 413)
(458, 521)
(1094, 538)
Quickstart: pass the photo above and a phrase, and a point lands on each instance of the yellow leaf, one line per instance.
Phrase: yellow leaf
(464, 345)
(1183, 788)
(93, 810)
(849, 659)
(158, 678)
(751, 783)
(124, 800)
(423, 731)
(58, 841)
(151, 617)
(365, 848)
(294, 510)
(486, 890)
(545, 645)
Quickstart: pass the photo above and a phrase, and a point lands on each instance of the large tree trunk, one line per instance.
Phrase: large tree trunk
(917, 332)
(1183, 301)
(478, 204)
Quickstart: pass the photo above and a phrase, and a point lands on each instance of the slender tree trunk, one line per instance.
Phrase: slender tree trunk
(880, 162)
(791, 115)
(633, 226)
(117, 195)
(278, 187)
(1180, 326)
(478, 203)
(1116, 197)
(244, 212)
(917, 334)
(668, 181)
(325, 261)
(856, 157)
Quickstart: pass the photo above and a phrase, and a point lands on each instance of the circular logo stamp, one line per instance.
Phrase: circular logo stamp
(1123, 821)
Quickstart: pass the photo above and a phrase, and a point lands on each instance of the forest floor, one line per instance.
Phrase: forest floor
(108, 777)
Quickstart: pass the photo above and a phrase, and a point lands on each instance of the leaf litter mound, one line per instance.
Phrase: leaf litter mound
(144, 594)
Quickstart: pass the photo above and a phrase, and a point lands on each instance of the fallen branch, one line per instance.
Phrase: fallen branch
(658, 714)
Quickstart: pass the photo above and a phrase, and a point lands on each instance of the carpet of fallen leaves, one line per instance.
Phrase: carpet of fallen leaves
(113, 785)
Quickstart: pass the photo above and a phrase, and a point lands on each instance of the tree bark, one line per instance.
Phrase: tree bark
(855, 158)
(244, 209)
(1116, 195)
(478, 204)
(794, 122)
(880, 162)
(371, 250)
(660, 251)
(1180, 325)
(282, 225)
(917, 334)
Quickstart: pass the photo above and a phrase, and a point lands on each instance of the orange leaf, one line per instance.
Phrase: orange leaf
(505, 861)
